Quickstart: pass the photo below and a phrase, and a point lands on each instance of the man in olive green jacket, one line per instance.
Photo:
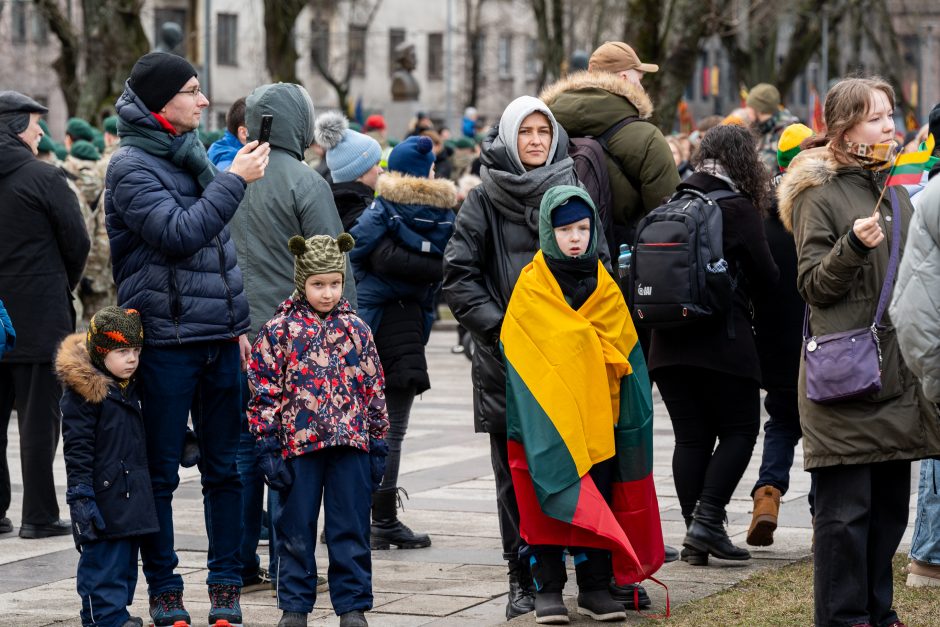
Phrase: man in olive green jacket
(642, 172)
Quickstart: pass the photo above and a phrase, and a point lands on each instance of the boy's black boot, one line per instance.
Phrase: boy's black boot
(549, 577)
(707, 533)
(693, 557)
(521, 591)
(293, 619)
(593, 571)
(632, 596)
(356, 618)
(387, 530)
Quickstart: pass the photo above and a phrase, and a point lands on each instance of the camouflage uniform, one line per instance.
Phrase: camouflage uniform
(97, 289)
(769, 133)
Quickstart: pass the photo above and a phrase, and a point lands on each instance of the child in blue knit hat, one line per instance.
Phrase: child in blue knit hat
(353, 160)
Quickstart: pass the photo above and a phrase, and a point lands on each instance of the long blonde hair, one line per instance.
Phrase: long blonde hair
(847, 104)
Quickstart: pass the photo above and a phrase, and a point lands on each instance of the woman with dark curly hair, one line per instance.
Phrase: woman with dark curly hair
(708, 371)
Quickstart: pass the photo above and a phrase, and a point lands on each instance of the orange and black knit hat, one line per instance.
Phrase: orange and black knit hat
(111, 328)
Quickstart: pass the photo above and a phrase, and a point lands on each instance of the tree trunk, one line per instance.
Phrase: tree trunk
(549, 20)
(473, 9)
(279, 45)
(111, 42)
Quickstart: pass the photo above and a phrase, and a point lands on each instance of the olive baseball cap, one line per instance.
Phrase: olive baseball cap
(616, 56)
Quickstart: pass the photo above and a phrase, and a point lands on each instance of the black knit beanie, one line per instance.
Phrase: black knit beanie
(111, 328)
(158, 76)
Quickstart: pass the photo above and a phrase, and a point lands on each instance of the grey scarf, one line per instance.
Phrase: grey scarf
(518, 196)
(713, 167)
(185, 151)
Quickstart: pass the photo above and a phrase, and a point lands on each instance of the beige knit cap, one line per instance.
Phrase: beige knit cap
(319, 254)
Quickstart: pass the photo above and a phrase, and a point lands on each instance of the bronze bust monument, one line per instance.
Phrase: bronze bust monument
(404, 85)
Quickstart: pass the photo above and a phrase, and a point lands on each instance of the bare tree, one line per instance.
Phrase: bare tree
(472, 12)
(95, 60)
(337, 70)
(279, 44)
(549, 20)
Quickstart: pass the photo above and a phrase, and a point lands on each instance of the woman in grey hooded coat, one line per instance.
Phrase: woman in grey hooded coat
(496, 235)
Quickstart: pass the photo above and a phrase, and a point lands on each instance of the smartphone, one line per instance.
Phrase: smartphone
(265, 134)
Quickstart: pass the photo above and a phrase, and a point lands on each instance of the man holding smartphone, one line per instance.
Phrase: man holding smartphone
(167, 210)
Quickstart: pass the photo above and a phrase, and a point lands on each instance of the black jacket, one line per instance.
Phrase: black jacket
(104, 443)
(778, 315)
(43, 248)
(705, 343)
(351, 200)
(482, 263)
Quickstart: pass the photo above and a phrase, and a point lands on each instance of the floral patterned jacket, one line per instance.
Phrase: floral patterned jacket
(316, 382)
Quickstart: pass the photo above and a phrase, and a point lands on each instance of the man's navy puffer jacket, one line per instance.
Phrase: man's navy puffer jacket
(172, 256)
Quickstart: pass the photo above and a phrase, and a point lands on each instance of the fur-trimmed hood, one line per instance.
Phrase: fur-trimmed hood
(74, 368)
(810, 168)
(410, 190)
(600, 80)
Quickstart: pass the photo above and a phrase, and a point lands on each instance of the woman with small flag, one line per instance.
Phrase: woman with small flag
(849, 235)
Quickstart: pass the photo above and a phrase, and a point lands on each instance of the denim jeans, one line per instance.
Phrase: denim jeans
(925, 545)
(782, 433)
(252, 495)
(201, 379)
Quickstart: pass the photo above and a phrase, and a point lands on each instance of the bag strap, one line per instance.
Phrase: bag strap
(889, 275)
(892, 261)
(604, 137)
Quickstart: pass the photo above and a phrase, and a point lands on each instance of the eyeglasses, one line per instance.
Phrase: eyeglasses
(195, 92)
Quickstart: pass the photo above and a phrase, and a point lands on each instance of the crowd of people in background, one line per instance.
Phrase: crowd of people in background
(262, 308)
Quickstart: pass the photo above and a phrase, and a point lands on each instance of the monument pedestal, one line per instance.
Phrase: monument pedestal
(397, 116)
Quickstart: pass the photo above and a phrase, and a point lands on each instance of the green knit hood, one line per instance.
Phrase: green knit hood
(555, 197)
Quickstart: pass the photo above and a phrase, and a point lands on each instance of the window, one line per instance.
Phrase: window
(395, 36)
(226, 39)
(435, 56)
(163, 16)
(320, 43)
(40, 29)
(18, 19)
(357, 50)
(504, 56)
(531, 59)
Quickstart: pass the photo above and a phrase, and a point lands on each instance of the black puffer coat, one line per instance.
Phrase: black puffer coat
(490, 246)
(351, 200)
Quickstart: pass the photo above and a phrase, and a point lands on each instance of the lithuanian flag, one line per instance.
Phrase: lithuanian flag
(908, 168)
(578, 393)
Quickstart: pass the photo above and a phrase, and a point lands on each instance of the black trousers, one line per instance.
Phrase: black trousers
(33, 391)
(398, 401)
(506, 507)
(861, 514)
(707, 406)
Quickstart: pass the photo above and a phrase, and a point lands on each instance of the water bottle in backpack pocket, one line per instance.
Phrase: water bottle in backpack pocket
(678, 272)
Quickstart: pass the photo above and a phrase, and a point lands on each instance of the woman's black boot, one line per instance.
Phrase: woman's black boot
(387, 530)
(521, 591)
(707, 533)
(693, 557)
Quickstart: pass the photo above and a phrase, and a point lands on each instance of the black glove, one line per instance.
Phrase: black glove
(277, 472)
(378, 451)
(84, 513)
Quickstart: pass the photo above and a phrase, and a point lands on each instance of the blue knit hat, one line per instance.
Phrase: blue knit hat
(349, 154)
(571, 211)
(414, 156)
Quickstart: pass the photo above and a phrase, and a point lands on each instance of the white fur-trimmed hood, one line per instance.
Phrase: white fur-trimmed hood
(600, 80)
(411, 190)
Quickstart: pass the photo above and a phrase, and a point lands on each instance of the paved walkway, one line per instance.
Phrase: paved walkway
(459, 580)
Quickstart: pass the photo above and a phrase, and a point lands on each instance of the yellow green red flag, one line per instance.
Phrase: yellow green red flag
(908, 168)
(578, 393)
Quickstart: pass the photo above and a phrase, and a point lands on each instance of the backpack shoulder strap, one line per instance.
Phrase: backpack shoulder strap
(604, 137)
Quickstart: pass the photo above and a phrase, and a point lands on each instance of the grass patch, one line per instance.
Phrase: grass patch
(784, 596)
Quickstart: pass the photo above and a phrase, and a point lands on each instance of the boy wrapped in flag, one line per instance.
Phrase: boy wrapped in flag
(579, 416)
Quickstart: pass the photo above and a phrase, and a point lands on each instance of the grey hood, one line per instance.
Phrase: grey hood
(511, 120)
(292, 108)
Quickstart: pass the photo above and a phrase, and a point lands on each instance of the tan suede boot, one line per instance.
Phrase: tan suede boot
(764, 521)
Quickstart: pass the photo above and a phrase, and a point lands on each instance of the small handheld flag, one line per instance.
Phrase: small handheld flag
(908, 168)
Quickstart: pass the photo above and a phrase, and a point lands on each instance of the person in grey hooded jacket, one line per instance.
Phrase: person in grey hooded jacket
(291, 199)
(915, 311)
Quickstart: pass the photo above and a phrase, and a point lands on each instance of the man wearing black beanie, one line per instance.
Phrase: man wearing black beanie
(167, 211)
(42, 254)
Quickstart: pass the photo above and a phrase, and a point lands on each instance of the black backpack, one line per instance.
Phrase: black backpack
(678, 272)
(590, 165)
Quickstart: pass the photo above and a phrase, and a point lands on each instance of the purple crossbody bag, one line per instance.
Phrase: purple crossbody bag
(847, 365)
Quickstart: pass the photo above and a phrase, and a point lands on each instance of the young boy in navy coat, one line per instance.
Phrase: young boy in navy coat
(109, 494)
